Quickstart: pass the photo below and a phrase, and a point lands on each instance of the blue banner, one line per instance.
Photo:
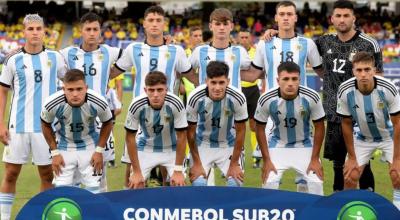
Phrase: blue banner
(208, 203)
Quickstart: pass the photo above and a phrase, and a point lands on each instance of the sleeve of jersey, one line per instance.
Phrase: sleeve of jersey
(342, 109)
(262, 113)
(194, 58)
(313, 55)
(394, 104)
(258, 61)
(125, 62)
(61, 66)
(245, 59)
(104, 114)
(183, 65)
(115, 54)
(180, 121)
(318, 113)
(131, 122)
(191, 109)
(117, 103)
(47, 116)
(241, 111)
(7, 75)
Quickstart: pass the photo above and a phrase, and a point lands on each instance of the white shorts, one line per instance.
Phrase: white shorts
(365, 149)
(149, 160)
(287, 158)
(221, 157)
(21, 145)
(77, 161)
(109, 151)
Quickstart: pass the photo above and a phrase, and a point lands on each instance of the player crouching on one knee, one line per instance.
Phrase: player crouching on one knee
(217, 113)
(292, 108)
(374, 103)
(80, 146)
(158, 117)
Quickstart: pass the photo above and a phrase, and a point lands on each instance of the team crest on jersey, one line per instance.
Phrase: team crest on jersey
(167, 118)
(101, 56)
(303, 112)
(299, 47)
(49, 63)
(167, 55)
(353, 52)
(380, 105)
(233, 57)
(228, 112)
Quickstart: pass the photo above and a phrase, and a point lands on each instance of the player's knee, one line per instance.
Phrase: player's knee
(46, 175)
(11, 176)
(232, 182)
(200, 181)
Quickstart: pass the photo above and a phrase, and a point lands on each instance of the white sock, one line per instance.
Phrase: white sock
(6, 201)
(396, 198)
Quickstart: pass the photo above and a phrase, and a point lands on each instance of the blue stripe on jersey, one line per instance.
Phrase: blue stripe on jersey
(229, 136)
(201, 127)
(306, 122)
(236, 67)
(291, 125)
(171, 127)
(92, 126)
(142, 137)
(104, 70)
(77, 124)
(302, 60)
(71, 56)
(53, 73)
(87, 67)
(62, 143)
(157, 129)
(270, 61)
(137, 49)
(220, 55)
(154, 58)
(370, 118)
(37, 94)
(286, 48)
(385, 110)
(203, 56)
(20, 116)
(273, 109)
(215, 125)
(170, 66)
(351, 102)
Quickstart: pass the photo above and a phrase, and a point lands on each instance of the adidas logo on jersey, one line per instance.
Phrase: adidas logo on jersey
(140, 54)
(23, 67)
(356, 106)
(329, 51)
(75, 58)
(207, 58)
(273, 48)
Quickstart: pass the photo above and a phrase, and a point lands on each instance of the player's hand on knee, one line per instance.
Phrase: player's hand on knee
(136, 181)
(97, 162)
(315, 166)
(195, 171)
(4, 134)
(235, 172)
(395, 174)
(57, 164)
(268, 167)
(269, 34)
(177, 179)
(351, 170)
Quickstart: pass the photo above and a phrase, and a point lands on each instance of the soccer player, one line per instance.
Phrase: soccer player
(374, 103)
(220, 49)
(292, 108)
(79, 147)
(217, 113)
(195, 39)
(31, 73)
(160, 118)
(152, 55)
(95, 60)
(337, 51)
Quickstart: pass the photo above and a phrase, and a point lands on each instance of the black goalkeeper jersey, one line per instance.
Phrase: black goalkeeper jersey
(336, 61)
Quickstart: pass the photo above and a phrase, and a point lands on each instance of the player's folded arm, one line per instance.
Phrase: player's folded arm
(130, 130)
(5, 85)
(260, 122)
(119, 68)
(187, 71)
(395, 113)
(181, 129)
(342, 115)
(242, 120)
(255, 66)
(104, 122)
(320, 119)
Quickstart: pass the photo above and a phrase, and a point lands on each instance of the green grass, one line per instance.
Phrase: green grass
(28, 182)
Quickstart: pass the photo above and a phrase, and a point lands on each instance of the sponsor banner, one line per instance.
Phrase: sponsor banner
(208, 203)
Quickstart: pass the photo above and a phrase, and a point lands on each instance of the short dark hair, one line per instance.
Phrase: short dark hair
(285, 4)
(73, 75)
(343, 4)
(90, 17)
(207, 35)
(156, 9)
(154, 78)
(193, 29)
(363, 56)
(290, 67)
(221, 15)
(216, 69)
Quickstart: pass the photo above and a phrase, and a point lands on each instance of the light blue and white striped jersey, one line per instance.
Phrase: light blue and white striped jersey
(76, 127)
(235, 56)
(167, 59)
(156, 126)
(215, 119)
(95, 64)
(298, 49)
(32, 77)
(292, 118)
(371, 112)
